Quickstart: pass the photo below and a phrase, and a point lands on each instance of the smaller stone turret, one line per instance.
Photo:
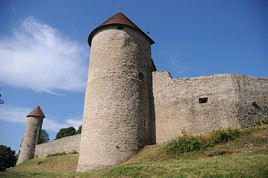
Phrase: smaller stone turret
(32, 132)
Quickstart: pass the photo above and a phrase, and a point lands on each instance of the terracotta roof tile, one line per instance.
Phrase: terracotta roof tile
(119, 19)
(36, 112)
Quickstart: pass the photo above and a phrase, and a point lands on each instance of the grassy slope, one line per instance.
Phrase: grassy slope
(247, 156)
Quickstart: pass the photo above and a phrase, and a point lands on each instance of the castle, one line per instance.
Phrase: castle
(129, 104)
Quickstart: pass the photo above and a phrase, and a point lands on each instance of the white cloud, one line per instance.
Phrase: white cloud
(54, 125)
(74, 122)
(14, 114)
(37, 56)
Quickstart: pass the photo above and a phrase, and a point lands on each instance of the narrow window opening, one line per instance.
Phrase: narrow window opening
(141, 76)
(203, 100)
(144, 123)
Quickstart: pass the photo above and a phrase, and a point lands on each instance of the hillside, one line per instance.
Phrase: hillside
(242, 153)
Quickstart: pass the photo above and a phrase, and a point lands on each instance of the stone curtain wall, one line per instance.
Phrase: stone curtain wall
(232, 101)
(66, 144)
(202, 104)
(177, 107)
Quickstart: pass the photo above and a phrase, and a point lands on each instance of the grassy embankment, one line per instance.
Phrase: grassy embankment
(228, 153)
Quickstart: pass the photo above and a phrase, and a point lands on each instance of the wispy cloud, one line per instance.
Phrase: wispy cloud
(76, 122)
(173, 60)
(15, 114)
(36, 56)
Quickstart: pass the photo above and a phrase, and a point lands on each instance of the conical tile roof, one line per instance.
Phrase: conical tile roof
(36, 112)
(119, 19)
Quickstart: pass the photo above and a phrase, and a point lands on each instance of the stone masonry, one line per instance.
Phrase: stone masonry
(33, 128)
(128, 104)
(64, 145)
(202, 104)
(117, 101)
(232, 101)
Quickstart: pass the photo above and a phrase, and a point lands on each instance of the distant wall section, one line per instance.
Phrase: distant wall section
(66, 144)
(202, 104)
(253, 100)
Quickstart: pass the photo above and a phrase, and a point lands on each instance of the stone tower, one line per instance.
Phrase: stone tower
(118, 119)
(33, 128)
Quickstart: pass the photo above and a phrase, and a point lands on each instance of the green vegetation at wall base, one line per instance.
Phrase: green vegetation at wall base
(243, 154)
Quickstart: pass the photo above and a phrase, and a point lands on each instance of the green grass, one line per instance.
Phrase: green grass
(243, 154)
(56, 154)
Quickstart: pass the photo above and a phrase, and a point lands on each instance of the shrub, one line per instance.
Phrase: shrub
(56, 154)
(65, 132)
(73, 152)
(224, 135)
(7, 157)
(186, 144)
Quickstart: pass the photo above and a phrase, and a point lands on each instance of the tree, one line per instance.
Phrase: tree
(1, 100)
(7, 157)
(79, 130)
(43, 138)
(65, 132)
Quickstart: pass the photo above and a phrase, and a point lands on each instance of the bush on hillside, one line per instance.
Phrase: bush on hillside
(224, 135)
(65, 132)
(56, 154)
(187, 143)
(7, 157)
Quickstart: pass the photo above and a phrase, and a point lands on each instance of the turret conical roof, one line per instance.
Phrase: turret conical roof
(119, 19)
(36, 112)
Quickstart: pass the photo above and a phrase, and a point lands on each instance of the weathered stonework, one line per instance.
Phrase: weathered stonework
(27, 149)
(232, 101)
(253, 100)
(116, 111)
(128, 106)
(66, 144)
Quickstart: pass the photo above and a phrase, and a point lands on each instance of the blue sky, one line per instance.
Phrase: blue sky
(44, 50)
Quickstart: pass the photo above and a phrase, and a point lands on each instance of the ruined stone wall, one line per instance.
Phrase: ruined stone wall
(66, 144)
(229, 103)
